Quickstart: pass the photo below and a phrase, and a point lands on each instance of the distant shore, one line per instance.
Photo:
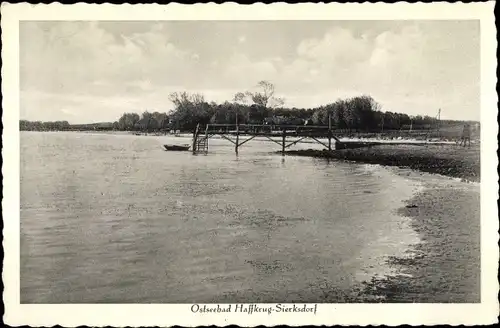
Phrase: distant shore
(438, 156)
(388, 136)
(449, 160)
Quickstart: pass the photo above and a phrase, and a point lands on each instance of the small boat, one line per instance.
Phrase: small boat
(177, 147)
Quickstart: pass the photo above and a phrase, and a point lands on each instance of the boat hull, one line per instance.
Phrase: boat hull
(176, 148)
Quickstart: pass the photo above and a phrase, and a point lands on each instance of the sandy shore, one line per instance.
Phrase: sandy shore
(445, 266)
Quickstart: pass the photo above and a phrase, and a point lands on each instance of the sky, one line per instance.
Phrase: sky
(93, 71)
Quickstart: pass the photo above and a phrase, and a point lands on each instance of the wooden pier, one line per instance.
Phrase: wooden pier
(278, 134)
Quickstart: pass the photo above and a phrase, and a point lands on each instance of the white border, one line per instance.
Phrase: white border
(166, 315)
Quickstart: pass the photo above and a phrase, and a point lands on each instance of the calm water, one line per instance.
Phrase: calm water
(114, 218)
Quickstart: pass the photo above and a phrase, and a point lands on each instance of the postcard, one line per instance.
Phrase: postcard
(305, 164)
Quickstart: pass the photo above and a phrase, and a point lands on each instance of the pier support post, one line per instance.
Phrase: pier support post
(237, 139)
(283, 143)
(195, 138)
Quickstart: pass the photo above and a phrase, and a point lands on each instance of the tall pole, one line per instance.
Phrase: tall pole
(439, 123)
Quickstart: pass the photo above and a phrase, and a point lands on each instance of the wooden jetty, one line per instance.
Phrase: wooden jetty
(275, 133)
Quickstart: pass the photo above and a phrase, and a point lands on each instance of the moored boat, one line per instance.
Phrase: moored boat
(177, 147)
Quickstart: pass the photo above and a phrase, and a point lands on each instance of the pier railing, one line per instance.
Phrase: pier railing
(270, 131)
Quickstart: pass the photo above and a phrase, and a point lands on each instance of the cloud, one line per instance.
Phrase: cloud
(243, 72)
(400, 68)
(78, 108)
(413, 67)
(337, 47)
(70, 56)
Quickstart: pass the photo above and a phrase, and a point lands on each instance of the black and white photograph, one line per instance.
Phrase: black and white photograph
(253, 166)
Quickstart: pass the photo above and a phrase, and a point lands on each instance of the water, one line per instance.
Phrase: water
(116, 219)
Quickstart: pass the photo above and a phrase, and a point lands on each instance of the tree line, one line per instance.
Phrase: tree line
(25, 125)
(359, 114)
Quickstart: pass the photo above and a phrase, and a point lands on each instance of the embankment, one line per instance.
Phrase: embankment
(448, 160)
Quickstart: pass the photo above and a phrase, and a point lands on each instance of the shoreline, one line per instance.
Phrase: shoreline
(442, 264)
(445, 265)
(448, 160)
(355, 139)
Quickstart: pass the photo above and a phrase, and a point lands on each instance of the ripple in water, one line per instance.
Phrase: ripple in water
(133, 223)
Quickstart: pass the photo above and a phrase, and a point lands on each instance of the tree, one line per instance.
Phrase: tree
(190, 109)
(262, 101)
(185, 99)
(391, 121)
(320, 116)
(265, 97)
(145, 121)
(128, 121)
(160, 120)
(363, 108)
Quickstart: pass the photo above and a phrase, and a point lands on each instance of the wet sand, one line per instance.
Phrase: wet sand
(445, 266)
